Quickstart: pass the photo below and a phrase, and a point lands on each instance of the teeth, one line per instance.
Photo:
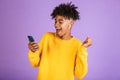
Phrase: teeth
(58, 29)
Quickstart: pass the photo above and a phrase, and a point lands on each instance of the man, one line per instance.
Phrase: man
(59, 55)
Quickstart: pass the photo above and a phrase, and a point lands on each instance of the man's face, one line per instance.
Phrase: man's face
(62, 25)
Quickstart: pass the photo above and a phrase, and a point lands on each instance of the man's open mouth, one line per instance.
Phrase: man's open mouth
(58, 29)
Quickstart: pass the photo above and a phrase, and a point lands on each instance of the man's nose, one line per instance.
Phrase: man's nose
(56, 25)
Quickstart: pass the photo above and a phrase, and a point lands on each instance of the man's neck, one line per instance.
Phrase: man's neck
(66, 36)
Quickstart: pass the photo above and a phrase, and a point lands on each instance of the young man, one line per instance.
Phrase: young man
(59, 55)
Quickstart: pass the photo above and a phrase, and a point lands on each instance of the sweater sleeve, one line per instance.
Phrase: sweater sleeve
(81, 65)
(35, 57)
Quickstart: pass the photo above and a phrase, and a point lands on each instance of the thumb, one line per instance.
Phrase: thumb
(86, 39)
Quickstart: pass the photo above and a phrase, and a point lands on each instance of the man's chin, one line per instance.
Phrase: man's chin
(59, 35)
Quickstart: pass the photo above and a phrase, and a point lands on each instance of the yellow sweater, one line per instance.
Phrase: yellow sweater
(59, 59)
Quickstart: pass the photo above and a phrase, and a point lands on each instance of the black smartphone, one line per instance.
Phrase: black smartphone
(31, 39)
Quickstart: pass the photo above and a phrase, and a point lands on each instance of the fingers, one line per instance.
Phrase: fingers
(33, 46)
(88, 38)
(87, 42)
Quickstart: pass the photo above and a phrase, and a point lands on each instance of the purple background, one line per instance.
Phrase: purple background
(100, 19)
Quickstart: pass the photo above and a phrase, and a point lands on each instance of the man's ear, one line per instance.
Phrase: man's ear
(71, 23)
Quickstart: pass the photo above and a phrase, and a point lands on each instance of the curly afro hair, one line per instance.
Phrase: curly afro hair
(67, 10)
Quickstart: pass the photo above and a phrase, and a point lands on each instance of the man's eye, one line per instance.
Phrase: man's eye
(60, 22)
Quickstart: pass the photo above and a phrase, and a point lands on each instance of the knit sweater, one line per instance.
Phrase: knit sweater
(59, 59)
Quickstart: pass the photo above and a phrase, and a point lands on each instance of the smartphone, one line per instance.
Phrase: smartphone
(31, 39)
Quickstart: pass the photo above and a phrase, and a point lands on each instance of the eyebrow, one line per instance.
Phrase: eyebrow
(59, 19)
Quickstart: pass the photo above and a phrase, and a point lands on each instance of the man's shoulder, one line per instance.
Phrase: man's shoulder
(78, 41)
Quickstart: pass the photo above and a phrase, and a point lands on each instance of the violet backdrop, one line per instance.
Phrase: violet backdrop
(100, 19)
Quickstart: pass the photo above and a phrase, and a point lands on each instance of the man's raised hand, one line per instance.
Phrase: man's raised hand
(87, 42)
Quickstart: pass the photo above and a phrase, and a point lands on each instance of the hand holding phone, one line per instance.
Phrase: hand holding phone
(32, 45)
